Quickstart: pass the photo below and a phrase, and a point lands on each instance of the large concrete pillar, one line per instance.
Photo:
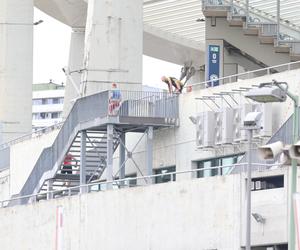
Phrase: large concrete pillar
(75, 65)
(113, 45)
(16, 67)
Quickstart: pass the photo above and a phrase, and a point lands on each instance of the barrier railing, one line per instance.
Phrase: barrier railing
(127, 182)
(247, 75)
(143, 104)
(34, 134)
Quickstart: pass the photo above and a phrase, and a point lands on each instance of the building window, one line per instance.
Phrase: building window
(45, 101)
(215, 162)
(165, 178)
(54, 115)
(270, 182)
(43, 115)
(37, 102)
(55, 100)
(130, 183)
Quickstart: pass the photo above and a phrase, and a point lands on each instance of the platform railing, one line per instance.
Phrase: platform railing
(248, 75)
(143, 104)
(34, 134)
(98, 186)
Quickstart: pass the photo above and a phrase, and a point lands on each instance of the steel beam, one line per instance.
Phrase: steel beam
(49, 189)
(122, 156)
(110, 152)
(149, 153)
(83, 161)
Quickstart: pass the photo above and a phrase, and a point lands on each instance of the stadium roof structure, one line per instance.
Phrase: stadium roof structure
(182, 18)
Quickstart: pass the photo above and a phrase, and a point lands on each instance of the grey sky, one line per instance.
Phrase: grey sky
(51, 49)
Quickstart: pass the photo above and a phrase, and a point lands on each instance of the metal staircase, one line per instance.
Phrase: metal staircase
(91, 134)
(68, 174)
(281, 33)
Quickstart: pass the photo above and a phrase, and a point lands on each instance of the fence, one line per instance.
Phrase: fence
(143, 104)
(127, 182)
(249, 74)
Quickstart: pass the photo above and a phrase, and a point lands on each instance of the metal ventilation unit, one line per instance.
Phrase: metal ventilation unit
(204, 127)
(238, 118)
(266, 119)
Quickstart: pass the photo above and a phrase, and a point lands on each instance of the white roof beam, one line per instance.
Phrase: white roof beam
(175, 19)
(174, 14)
(171, 9)
(166, 4)
(189, 26)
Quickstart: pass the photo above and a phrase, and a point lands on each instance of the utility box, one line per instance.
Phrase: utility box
(224, 126)
(218, 127)
(227, 125)
(266, 120)
(239, 115)
(204, 129)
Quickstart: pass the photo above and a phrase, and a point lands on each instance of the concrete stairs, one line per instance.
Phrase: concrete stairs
(260, 35)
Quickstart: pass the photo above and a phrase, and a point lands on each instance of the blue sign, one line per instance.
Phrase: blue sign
(213, 65)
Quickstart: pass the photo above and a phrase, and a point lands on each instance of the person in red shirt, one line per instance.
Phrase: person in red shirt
(67, 164)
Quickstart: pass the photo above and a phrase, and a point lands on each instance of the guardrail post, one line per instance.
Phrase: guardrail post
(110, 152)
(83, 161)
(49, 189)
(149, 152)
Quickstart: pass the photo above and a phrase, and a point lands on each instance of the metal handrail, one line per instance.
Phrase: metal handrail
(248, 73)
(148, 179)
(25, 137)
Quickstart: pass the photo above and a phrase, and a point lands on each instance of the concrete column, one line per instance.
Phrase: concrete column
(75, 64)
(110, 152)
(16, 67)
(113, 45)
(122, 158)
(149, 153)
(83, 160)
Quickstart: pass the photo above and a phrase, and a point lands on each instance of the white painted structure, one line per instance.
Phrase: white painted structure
(195, 214)
(108, 41)
(185, 206)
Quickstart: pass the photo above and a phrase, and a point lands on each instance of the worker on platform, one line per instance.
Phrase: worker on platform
(114, 100)
(173, 82)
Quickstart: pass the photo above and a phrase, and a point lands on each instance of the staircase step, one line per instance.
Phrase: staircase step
(251, 31)
(216, 10)
(282, 48)
(266, 39)
(294, 57)
(236, 21)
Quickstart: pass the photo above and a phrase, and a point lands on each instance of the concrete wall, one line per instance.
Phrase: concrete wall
(23, 158)
(196, 214)
(169, 216)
